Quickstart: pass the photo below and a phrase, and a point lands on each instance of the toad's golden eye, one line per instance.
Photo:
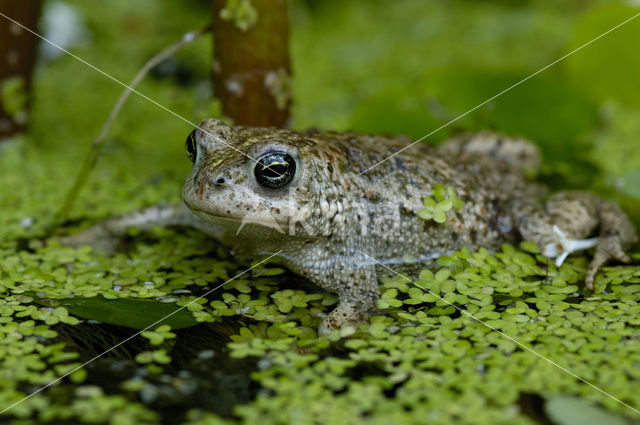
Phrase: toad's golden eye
(275, 170)
(191, 146)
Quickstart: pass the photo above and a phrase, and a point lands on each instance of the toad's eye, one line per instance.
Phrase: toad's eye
(275, 170)
(190, 146)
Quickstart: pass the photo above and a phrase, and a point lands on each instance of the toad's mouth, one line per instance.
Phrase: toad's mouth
(260, 218)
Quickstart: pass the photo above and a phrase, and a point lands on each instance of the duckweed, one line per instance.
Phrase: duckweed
(437, 206)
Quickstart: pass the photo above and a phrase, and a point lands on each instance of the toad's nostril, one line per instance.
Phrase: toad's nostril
(220, 181)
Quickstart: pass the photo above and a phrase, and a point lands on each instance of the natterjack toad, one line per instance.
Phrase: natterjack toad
(305, 195)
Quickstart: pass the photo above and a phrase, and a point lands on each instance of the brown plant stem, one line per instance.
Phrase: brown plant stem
(251, 66)
(17, 59)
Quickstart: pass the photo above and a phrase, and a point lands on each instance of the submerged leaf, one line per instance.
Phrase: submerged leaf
(568, 410)
(132, 313)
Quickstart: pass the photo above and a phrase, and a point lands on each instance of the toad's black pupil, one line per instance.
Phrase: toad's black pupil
(190, 146)
(275, 170)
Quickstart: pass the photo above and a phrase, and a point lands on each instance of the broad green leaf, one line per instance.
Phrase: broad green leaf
(569, 410)
(132, 313)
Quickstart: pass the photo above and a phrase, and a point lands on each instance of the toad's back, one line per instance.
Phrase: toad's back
(375, 189)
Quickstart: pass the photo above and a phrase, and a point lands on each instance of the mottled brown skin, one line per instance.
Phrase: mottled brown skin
(330, 220)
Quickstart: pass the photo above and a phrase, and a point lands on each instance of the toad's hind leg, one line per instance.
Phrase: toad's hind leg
(569, 221)
(617, 234)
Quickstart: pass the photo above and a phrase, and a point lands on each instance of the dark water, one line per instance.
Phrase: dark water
(201, 373)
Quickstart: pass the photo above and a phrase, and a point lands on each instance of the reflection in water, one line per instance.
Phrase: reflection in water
(201, 372)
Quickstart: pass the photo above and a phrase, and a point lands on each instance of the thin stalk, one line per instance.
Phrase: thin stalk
(92, 156)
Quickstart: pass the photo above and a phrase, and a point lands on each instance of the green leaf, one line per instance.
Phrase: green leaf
(132, 313)
(445, 205)
(442, 275)
(241, 13)
(457, 203)
(429, 202)
(284, 304)
(161, 356)
(425, 214)
(415, 292)
(390, 293)
(529, 246)
(439, 216)
(567, 410)
(439, 192)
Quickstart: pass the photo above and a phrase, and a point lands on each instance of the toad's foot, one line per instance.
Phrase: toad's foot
(569, 216)
(351, 312)
(609, 247)
(563, 246)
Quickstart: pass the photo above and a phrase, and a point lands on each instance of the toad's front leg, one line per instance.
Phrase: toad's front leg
(106, 235)
(358, 294)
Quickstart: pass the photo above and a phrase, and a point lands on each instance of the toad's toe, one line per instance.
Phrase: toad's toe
(609, 248)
